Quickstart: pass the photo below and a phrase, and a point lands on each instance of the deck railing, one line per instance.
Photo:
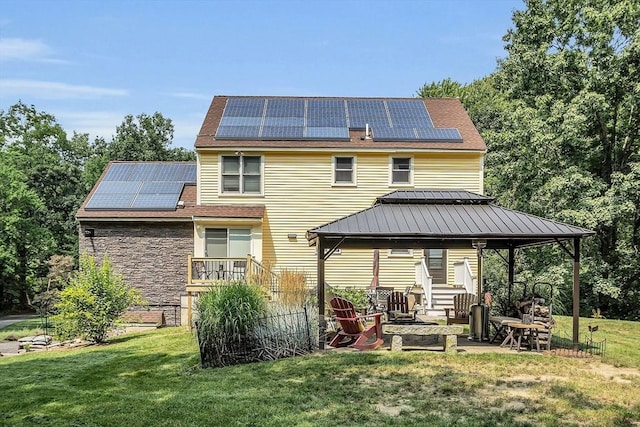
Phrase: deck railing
(204, 272)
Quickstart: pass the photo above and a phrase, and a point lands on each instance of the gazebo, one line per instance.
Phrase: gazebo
(447, 219)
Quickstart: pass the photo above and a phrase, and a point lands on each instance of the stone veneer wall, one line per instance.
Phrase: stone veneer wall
(152, 257)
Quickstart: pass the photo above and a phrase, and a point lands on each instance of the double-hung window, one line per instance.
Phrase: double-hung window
(241, 174)
(401, 170)
(344, 170)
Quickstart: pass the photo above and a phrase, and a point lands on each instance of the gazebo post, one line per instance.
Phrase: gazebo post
(511, 273)
(576, 292)
(322, 324)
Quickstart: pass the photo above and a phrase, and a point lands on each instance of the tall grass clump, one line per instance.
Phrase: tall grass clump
(293, 288)
(228, 315)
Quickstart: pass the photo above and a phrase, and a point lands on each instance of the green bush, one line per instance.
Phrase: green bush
(92, 301)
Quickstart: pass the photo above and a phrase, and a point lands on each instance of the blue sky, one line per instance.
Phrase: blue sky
(89, 63)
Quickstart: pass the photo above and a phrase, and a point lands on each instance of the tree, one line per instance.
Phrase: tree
(92, 301)
(140, 138)
(570, 148)
(52, 164)
(23, 240)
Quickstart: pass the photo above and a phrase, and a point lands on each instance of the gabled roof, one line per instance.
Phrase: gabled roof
(444, 113)
(445, 219)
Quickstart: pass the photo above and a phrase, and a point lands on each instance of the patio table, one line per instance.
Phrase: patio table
(516, 330)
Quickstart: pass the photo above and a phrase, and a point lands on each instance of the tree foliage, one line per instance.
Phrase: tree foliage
(92, 301)
(560, 117)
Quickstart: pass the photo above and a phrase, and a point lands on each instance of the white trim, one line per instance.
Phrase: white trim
(411, 150)
(240, 154)
(411, 168)
(354, 172)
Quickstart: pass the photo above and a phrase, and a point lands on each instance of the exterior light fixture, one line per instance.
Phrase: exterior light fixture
(89, 232)
(292, 236)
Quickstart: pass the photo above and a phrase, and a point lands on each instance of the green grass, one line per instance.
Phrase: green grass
(154, 378)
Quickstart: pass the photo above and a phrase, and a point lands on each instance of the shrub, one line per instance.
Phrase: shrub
(92, 301)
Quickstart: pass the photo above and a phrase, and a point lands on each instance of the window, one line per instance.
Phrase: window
(241, 174)
(400, 253)
(344, 170)
(227, 242)
(437, 264)
(401, 170)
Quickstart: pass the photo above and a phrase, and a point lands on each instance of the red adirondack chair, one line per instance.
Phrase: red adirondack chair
(354, 328)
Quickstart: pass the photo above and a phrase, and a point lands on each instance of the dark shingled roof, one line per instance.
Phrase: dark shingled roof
(401, 219)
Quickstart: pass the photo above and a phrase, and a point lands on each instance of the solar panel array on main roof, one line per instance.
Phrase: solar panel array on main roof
(313, 118)
(142, 186)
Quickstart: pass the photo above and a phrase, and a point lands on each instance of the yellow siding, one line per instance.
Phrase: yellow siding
(298, 195)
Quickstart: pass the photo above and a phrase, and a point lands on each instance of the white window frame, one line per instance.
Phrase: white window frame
(228, 238)
(354, 171)
(240, 193)
(411, 167)
(400, 253)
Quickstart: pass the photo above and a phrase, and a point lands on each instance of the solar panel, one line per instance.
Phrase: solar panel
(238, 132)
(244, 107)
(282, 132)
(441, 134)
(240, 121)
(119, 172)
(394, 134)
(155, 201)
(161, 187)
(318, 118)
(367, 111)
(142, 186)
(326, 113)
(285, 108)
(115, 187)
(142, 171)
(110, 201)
(284, 121)
(409, 113)
(327, 132)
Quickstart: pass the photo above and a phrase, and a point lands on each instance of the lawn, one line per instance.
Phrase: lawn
(154, 378)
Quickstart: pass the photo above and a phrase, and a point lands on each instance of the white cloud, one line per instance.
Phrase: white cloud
(95, 123)
(27, 50)
(53, 90)
(190, 95)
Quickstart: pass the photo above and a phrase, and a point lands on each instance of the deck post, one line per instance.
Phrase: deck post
(322, 324)
(576, 292)
(189, 268)
(189, 309)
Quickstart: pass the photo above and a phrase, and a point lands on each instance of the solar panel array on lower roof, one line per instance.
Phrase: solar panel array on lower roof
(142, 186)
(331, 119)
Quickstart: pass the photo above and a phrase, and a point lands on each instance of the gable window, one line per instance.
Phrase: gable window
(401, 170)
(241, 174)
(344, 170)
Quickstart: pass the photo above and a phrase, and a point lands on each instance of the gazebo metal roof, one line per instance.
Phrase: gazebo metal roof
(447, 219)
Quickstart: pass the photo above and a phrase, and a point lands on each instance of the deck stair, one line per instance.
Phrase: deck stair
(441, 298)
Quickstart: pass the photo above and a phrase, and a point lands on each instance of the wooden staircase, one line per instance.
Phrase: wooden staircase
(441, 298)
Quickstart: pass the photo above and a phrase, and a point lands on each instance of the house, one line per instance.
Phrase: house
(270, 168)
